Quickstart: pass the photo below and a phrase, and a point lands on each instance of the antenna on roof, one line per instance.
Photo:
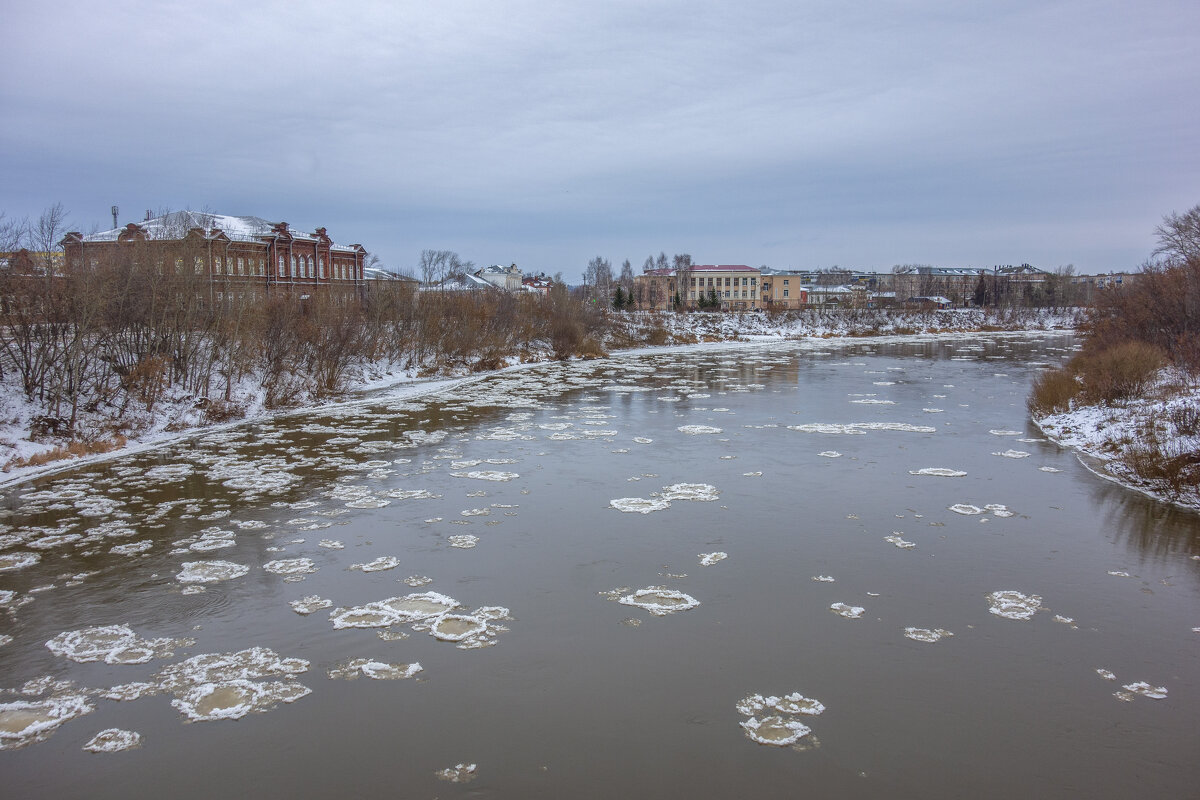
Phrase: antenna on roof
(114, 213)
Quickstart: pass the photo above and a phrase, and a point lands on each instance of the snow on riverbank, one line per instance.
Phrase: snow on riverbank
(177, 415)
(1103, 435)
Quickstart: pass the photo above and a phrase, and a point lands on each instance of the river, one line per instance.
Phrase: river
(842, 568)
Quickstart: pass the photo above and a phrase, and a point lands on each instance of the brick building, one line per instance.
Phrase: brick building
(246, 251)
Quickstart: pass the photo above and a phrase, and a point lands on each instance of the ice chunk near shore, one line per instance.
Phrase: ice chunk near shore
(659, 600)
(112, 644)
(1011, 604)
(210, 571)
(938, 472)
(113, 740)
(639, 505)
(926, 634)
(847, 611)
(708, 559)
(24, 722)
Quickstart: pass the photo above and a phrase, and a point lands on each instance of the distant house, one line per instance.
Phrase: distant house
(242, 251)
(506, 278)
(928, 302)
(783, 289)
(735, 287)
(461, 282)
(538, 284)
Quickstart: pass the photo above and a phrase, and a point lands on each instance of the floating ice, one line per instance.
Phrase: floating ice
(926, 634)
(847, 611)
(642, 440)
(309, 604)
(112, 644)
(1146, 690)
(823, 578)
(794, 703)
(412, 494)
(487, 475)
(708, 559)
(1106, 674)
(860, 428)
(872, 401)
(932, 410)
(830, 454)
(1048, 469)
(1116, 573)
(291, 566)
(131, 548)
(376, 670)
(639, 505)
(999, 510)
(463, 541)
(965, 509)
(939, 472)
(368, 501)
(476, 512)
(1004, 433)
(775, 730)
(457, 627)
(331, 544)
(696, 430)
(113, 740)
(690, 491)
(210, 571)
(234, 699)
(418, 580)
(1011, 604)
(378, 565)
(24, 722)
(459, 773)
(11, 561)
(897, 540)
(1012, 454)
(659, 600)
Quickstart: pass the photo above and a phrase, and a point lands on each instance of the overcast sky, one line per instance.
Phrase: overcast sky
(792, 133)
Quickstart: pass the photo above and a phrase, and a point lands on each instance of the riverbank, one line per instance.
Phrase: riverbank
(106, 430)
(1150, 443)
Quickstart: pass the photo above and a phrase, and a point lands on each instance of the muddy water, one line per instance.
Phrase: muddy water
(755, 571)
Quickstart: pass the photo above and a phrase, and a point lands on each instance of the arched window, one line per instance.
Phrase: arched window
(308, 267)
(321, 265)
(295, 265)
(281, 266)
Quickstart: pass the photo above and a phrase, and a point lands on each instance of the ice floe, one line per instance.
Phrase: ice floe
(1146, 690)
(823, 578)
(1012, 454)
(459, 773)
(697, 430)
(24, 722)
(309, 604)
(418, 580)
(965, 509)
(702, 492)
(11, 561)
(210, 571)
(216, 686)
(378, 565)
(899, 541)
(708, 559)
(659, 600)
(829, 454)
(487, 475)
(113, 740)
(1011, 604)
(112, 644)
(847, 611)
(376, 670)
(291, 567)
(860, 428)
(463, 541)
(926, 634)
(639, 505)
(939, 472)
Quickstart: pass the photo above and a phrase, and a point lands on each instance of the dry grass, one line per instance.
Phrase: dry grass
(70, 450)
(1053, 392)
(1118, 372)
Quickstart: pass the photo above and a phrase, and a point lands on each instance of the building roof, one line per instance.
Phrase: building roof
(176, 224)
(722, 268)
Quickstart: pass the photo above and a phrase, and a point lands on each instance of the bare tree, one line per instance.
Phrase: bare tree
(12, 233)
(1179, 236)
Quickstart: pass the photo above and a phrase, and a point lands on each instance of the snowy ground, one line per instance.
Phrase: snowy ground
(176, 415)
(1103, 433)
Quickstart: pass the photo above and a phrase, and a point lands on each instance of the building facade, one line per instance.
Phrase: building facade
(248, 251)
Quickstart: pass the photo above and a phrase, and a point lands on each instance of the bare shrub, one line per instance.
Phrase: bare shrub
(1185, 419)
(1053, 392)
(1172, 470)
(1118, 372)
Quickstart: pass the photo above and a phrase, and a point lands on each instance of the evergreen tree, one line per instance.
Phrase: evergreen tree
(618, 300)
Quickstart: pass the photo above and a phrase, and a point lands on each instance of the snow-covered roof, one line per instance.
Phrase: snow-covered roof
(176, 224)
(497, 269)
(460, 283)
(722, 268)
